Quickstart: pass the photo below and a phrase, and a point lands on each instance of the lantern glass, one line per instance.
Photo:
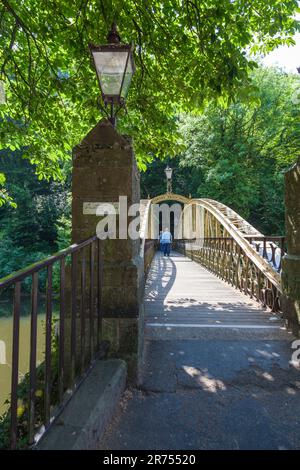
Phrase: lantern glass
(127, 78)
(168, 172)
(114, 66)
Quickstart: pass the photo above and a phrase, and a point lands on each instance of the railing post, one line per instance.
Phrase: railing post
(92, 298)
(32, 365)
(99, 293)
(15, 366)
(83, 310)
(232, 261)
(73, 332)
(62, 314)
(48, 345)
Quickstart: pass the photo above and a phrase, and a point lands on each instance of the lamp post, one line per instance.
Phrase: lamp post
(115, 67)
(168, 172)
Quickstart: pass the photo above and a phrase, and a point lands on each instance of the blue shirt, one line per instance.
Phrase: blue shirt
(166, 237)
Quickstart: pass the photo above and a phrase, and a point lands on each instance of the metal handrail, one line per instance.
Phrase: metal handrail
(273, 245)
(240, 239)
(21, 274)
(79, 333)
(226, 258)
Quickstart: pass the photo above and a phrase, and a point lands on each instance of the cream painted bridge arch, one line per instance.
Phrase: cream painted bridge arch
(181, 213)
(216, 218)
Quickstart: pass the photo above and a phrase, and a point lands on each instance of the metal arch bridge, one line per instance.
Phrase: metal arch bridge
(229, 246)
(205, 340)
(229, 250)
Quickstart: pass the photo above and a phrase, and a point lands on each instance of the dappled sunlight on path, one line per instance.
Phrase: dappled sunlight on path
(216, 370)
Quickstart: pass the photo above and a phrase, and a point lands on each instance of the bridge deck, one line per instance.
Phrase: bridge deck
(181, 293)
(216, 371)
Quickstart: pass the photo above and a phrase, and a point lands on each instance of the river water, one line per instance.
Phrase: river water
(6, 325)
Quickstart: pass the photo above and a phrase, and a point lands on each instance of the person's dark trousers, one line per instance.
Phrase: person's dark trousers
(161, 247)
(167, 247)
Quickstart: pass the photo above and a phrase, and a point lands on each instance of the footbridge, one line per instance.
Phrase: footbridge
(218, 312)
(225, 244)
(216, 365)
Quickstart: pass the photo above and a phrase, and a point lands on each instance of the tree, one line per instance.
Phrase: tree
(29, 232)
(237, 155)
(187, 53)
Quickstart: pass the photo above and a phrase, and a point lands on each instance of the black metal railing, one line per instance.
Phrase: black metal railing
(72, 336)
(271, 249)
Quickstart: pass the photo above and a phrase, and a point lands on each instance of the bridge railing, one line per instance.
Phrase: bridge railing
(150, 247)
(231, 262)
(72, 338)
(272, 249)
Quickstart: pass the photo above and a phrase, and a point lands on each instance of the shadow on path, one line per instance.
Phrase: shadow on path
(217, 391)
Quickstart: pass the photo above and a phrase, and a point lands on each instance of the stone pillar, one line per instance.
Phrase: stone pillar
(104, 168)
(291, 261)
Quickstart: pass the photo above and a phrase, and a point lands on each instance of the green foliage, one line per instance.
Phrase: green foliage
(153, 181)
(237, 155)
(63, 227)
(187, 54)
(4, 197)
(28, 232)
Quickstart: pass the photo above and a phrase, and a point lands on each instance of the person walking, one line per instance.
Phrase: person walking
(166, 240)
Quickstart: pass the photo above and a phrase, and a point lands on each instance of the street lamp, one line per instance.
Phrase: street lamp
(168, 172)
(115, 67)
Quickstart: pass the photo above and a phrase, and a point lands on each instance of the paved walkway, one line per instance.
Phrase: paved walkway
(216, 372)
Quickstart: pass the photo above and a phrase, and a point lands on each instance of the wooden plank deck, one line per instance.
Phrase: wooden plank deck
(181, 293)
(215, 372)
